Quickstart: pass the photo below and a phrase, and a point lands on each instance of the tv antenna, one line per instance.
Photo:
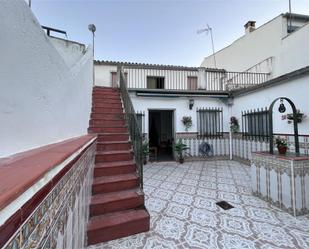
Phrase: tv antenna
(208, 30)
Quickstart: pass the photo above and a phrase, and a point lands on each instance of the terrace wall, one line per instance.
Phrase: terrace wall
(42, 99)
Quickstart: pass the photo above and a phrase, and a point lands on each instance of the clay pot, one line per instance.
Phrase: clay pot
(282, 150)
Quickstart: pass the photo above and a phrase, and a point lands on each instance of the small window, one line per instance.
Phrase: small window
(255, 124)
(192, 82)
(210, 122)
(155, 82)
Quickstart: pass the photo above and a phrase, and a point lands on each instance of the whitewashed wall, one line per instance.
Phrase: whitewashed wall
(296, 90)
(270, 40)
(103, 75)
(42, 100)
(181, 108)
(70, 51)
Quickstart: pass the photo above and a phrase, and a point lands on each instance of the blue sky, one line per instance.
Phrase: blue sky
(158, 31)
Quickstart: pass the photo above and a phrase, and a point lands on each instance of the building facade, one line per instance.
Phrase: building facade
(275, 47)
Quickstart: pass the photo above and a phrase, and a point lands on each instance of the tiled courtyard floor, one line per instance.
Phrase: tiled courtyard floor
(181, 201)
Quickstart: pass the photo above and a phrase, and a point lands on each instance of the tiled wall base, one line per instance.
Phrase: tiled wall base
(282, 182)
(60, 219)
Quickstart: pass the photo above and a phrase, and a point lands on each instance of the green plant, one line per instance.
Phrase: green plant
(145, 148)
(187, 122)
(234, 126)
(281, 142)
(180, 147)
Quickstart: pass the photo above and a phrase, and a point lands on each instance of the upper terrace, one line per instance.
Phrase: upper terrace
(167, 78)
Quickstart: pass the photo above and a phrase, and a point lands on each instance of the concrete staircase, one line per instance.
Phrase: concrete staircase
(117, 204)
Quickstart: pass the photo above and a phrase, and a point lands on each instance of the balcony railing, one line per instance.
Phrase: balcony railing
(191, 80)
(132, 123)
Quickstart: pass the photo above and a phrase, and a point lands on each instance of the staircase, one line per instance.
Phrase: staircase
(117, 204)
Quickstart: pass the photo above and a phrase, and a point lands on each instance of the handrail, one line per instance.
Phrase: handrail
(131, 121)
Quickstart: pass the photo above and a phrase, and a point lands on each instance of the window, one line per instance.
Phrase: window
(155, 82)
(210, 122)
(114, 78)
(192, 82)
(255, 124)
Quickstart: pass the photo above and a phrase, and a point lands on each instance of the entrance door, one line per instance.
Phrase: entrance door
(161, 134)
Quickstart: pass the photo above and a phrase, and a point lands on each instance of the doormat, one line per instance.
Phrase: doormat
(225, 205)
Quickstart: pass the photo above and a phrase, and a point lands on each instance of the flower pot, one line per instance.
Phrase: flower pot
(181, 160)
(145, 161)
(282, 150)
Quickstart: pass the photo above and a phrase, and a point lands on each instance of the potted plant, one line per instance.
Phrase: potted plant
(282, 145)
(234, 126)
(145, 150)
(180, 147)
(299, 116)
(187, 122)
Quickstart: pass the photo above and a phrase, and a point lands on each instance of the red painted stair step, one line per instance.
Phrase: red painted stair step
(105, 184)
(113, 136)
(114, 168)
(102, 122)
(113, 145)
(115, 225)
(107, 116)
(96, 129)
(116, 201)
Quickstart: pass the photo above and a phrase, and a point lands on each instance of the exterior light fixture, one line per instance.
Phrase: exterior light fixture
(191, 103)
(92, 29)
(281, 108)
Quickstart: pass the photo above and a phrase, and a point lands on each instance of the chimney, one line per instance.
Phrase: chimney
(249, 26)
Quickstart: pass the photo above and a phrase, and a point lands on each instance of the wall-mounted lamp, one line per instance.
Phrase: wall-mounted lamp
(191, 103)
(281, 108)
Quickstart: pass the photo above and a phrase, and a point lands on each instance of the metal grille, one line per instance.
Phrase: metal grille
(255, 124)
(210, 122)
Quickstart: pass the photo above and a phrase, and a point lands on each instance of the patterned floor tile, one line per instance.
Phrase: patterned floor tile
(184, 213)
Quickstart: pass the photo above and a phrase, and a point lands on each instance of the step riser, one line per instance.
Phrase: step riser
(106, 110)
(114, 186)
(106, 97)
(107, 116)
(105, 101)
(106, 105)
(109, 171)
(114, 232)
(113, 158)
(109, 147)
(114, 206)
(116, 137)
(94, 122)
(107, 129)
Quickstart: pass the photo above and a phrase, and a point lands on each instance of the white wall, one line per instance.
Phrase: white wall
(294, 53)
(251, 51)
(181, 107)
(70, 51)
(42, 100)
(103, 75)
(296, 90)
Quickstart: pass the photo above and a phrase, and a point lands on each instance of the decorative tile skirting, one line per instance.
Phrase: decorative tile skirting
(59, 221)
(281, 181)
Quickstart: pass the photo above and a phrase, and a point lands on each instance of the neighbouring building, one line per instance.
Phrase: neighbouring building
(276, 47)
